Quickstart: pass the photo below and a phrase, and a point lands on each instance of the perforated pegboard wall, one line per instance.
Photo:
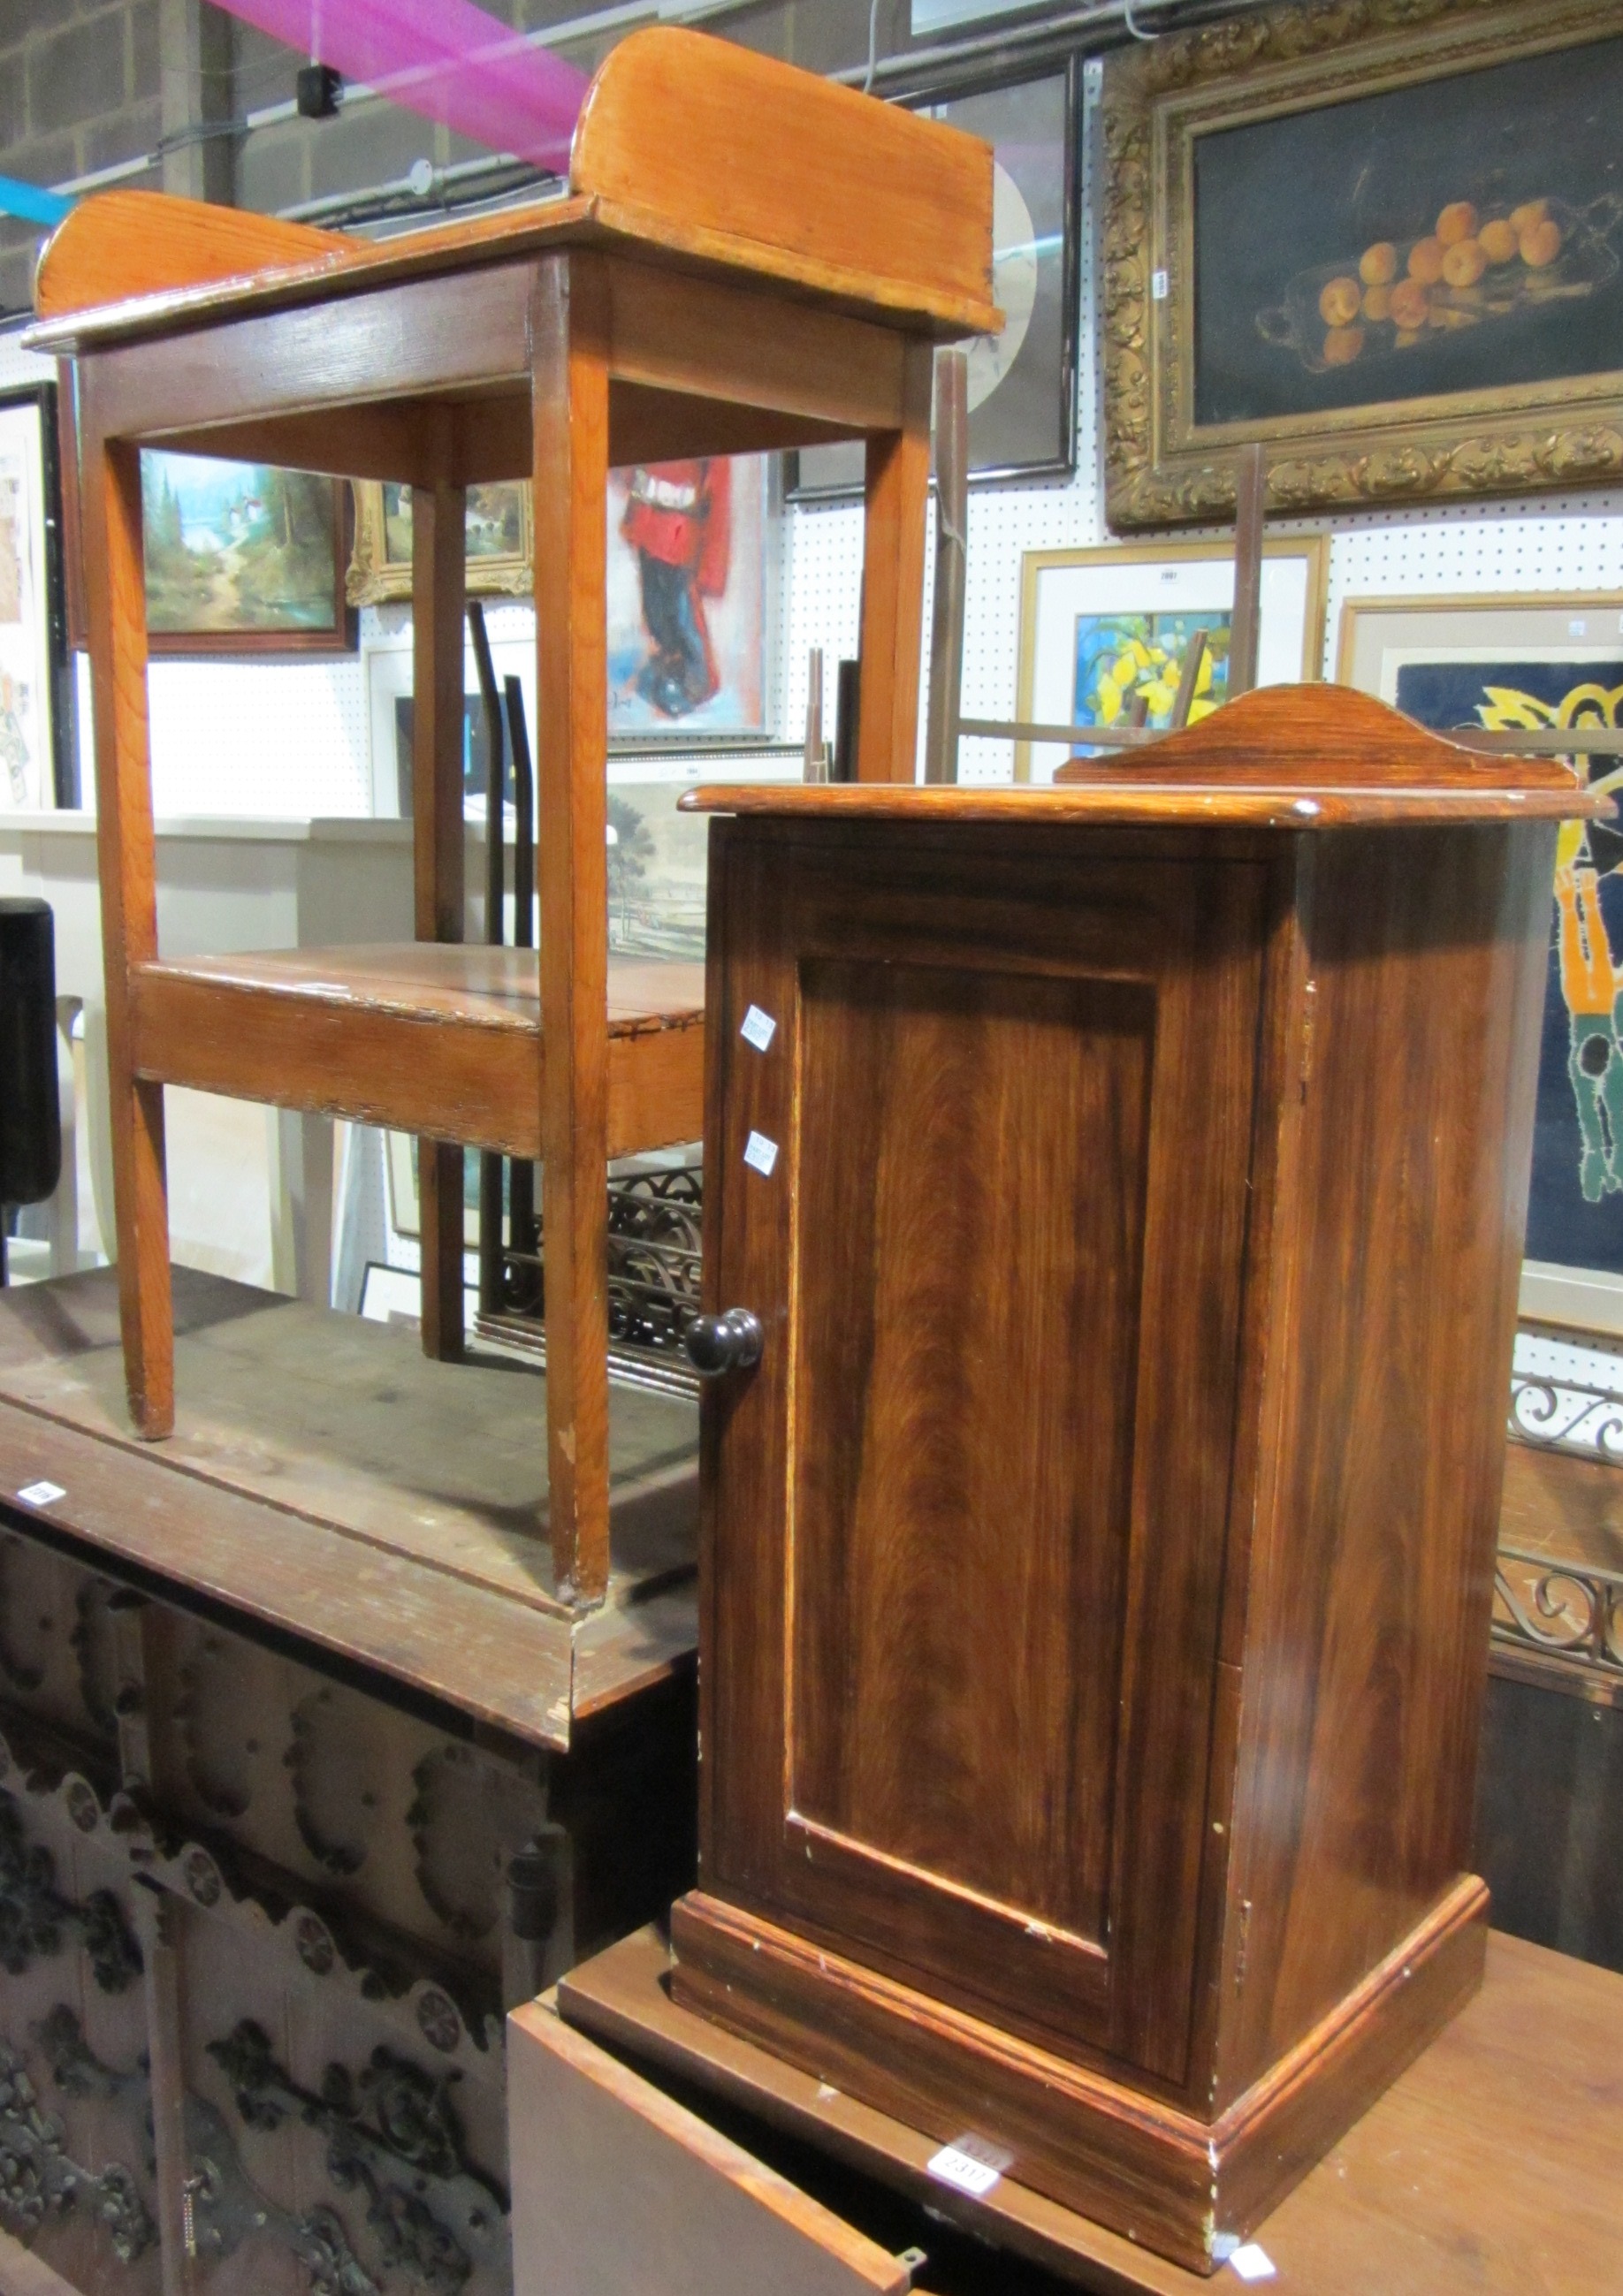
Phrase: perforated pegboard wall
(293, 738)
(1569, 542)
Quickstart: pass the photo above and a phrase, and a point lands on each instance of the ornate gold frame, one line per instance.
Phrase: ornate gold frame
(374, 578)
(1160, 468)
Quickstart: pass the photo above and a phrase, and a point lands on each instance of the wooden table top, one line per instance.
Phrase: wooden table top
(830, 195)
(449, 981)
(1493, 2167)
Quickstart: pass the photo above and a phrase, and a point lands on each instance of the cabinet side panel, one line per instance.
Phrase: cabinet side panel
(1395, 1302)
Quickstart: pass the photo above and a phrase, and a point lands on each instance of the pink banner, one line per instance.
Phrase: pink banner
(445, 59)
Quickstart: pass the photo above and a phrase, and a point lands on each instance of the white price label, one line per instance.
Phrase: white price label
(1253, 2263)
(761, 1154)
(1160, 287)
(41, 1494)
(758, 1028)
(970, 2163)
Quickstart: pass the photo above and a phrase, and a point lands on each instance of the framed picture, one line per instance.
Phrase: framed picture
(501, 542)
(692, 576)
(242, 558)
(1548, 664)
(1386, 241)
(1102, 628)
(1022, 383)
(33, 649)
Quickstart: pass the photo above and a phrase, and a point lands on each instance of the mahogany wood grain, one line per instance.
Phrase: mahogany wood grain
(1373, 1555)
(1170, 2180)
(898, 481)
(961, 1075)
(571, 321)
(1156, 1135)
(1487, 2170)
(614, 2182)
(115, 578)
(385, 1037)
(1165, 804)
(1319, 735)
(439, 520)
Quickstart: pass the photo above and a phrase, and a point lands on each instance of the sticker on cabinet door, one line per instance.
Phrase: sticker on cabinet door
(41, 1494)
(758, 1028)
(761, 1154)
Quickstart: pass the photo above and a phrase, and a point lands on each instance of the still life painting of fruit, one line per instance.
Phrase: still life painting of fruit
(1457, 233)
(1468, 270)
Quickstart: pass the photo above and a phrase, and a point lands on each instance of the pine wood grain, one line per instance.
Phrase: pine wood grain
(897, 487)
(327, 1478)
(413, 1041)
(831, 191)
(1486, 2169)
(570, 325)
(115, 578)
(610, 2174)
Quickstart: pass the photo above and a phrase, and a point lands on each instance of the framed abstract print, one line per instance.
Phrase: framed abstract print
(1022, 383)
(1385, 240)
(32, 635)
(1101, 629)
(242, 558)
(1547, 664)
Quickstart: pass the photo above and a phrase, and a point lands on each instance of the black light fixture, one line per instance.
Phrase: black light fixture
(320, 91)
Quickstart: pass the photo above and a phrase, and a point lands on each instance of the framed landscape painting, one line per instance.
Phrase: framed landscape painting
(1547, 664)
(1022, 383)
(242, 558)
(1388, 241)
(1102, 630)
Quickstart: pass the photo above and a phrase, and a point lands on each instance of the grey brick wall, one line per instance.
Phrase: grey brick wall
(79, 89)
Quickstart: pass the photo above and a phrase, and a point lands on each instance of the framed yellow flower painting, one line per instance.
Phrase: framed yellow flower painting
(1102, 631)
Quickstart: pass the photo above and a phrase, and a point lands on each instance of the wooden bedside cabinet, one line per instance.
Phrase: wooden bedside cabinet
(1128, 1196)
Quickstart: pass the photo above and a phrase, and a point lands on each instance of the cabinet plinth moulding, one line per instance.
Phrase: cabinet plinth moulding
(788, 289)
(1098, 1557)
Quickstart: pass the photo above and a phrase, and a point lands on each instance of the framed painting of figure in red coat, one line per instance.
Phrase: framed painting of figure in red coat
(688, 584)
(691, 561)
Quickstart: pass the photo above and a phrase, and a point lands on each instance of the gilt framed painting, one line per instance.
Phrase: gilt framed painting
(1548, 664)
(1387, 241)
